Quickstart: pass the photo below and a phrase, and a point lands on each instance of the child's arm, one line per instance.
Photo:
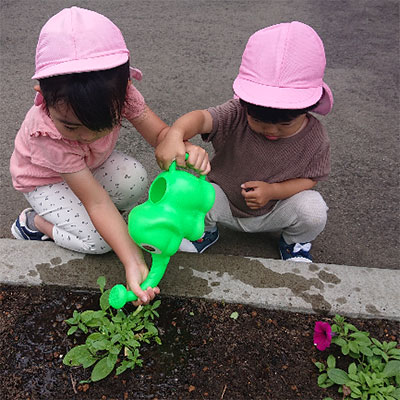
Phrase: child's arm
(112, 227)
(257, 193)
(154, 130)
(172, 147)
(150, 126)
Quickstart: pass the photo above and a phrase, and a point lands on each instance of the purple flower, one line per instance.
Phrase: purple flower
(322, 335)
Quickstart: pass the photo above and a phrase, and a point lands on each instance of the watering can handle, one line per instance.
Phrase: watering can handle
(172, 167)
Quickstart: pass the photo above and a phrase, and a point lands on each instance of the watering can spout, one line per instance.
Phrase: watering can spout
(158, 267)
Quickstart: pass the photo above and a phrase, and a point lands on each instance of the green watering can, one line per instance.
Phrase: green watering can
(177, 204)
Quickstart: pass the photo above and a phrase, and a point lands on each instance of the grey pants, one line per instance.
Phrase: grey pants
(124, 179)
(301, 218)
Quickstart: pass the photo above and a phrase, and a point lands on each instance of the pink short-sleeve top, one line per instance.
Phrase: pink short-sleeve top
(41, 154)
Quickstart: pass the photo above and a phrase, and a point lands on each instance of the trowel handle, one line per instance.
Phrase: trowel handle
(172, 167)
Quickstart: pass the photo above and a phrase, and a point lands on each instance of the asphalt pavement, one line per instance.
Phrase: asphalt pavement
(189, 53)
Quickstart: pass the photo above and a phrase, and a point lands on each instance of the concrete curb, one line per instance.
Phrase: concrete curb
(358, 292)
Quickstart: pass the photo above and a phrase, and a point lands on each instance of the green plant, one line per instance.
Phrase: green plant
(373, 372)
(111, 332)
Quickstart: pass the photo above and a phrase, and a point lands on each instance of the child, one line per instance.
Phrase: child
(64, 160)
(269, 151)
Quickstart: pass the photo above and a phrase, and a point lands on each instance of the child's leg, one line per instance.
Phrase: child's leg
(123, 178)
(301, 217)
(71, 225)
(221, 213)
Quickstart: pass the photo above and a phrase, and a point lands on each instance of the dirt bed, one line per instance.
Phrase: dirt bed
(205, 354)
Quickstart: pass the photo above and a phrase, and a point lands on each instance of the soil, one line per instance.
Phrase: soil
(205, 354)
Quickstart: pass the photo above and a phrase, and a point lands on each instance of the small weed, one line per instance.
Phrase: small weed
(110, 333)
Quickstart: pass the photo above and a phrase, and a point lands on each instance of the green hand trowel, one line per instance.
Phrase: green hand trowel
(177, 204)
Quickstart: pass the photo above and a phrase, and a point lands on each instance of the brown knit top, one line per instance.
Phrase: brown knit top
(242, 155)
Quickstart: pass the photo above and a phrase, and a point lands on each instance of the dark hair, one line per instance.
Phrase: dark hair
(274, 115)
(96, 97)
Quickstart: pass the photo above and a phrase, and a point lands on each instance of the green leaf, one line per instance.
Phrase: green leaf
(391, 345)
(355, 380)
(133, 343)
(396, 394)
(93, 337)
(392, 368)
(378, 351)
(116, 338)
(351, 327)
(104, 304)
(394, 352)
(368, 380)
(156, 304)
(101, 281)
(89, 361)
(83, 327)
(112, 359)
(79, 355)
(87, 316)
(72, 330)
(115, 350)
(124, 365)
(338, 376)
(101, 370)
(353, 346)
(322, 378)
(234, 315)
(331, 361)
(151, 328)
(320, 366)
(100, 344)
(355, 390)
(345, 349)
(327, 384)
(362, 337)
(352, 369)
(76, 315)
(338, 341)
(376, 342)
(366, 351)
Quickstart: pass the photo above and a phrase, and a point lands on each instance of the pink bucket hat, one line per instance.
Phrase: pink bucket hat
(79, 40)
(283, 67)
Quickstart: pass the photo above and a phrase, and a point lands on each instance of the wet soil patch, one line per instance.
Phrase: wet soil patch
(205, 353)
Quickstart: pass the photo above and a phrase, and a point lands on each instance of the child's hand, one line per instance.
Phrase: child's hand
(169, 149)
(198, 158)
(134, 277)
(256, 193)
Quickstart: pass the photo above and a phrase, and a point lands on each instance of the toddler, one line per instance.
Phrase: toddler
(64, 160)
(269, 150)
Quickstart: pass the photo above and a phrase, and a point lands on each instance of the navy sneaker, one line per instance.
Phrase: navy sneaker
(21, 231)
(295, 252)
(199, 246)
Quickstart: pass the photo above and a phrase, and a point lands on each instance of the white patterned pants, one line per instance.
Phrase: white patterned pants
(301, 218)
(124, 179)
